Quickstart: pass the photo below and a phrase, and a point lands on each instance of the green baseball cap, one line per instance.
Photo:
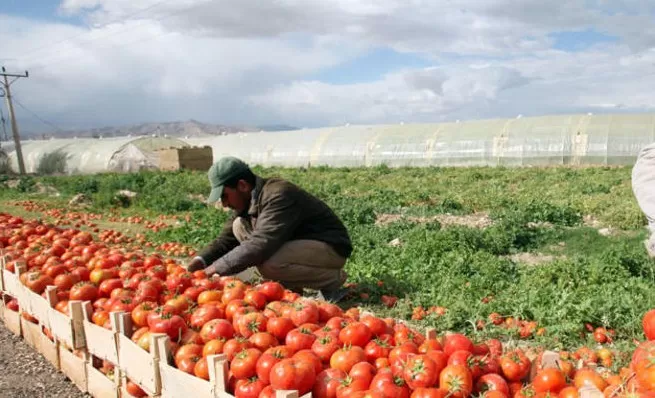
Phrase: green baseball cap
(222, 171)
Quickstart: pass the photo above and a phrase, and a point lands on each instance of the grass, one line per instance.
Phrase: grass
(603, 280)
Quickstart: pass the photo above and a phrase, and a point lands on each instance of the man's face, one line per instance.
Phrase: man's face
(238, 198)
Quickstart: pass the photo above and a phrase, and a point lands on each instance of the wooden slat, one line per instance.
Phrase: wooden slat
(12, 284)
(99, 385)
(36, 306)
(174, 382)
(34, 336)
(73, 367)
(3, 261)
(135, 363)
(11, 320)
(68, 330)
(100, 341)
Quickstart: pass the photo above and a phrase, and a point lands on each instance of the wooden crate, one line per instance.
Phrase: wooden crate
(34, 337)
(175, 383)
(196, 158)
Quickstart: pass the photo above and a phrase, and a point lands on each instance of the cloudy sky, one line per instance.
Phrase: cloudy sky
(316, 63)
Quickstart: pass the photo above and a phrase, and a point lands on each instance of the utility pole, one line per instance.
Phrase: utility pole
(4, 126)
(10, 106)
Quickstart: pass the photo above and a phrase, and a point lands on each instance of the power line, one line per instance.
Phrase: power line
(47, 123)
(123, 18)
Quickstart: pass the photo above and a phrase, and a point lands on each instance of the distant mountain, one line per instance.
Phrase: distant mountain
(190, 128)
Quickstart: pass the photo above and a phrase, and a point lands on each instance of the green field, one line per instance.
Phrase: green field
(540, 256)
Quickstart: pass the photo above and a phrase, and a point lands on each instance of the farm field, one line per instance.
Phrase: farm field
(512, 261)
(548, 257)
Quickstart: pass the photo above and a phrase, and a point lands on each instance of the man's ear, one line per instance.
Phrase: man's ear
(244, 186)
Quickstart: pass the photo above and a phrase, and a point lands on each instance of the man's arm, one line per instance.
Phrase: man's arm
(225, 242)
(277, 219)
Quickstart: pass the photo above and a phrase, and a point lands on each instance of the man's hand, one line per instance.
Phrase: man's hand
(195, 265)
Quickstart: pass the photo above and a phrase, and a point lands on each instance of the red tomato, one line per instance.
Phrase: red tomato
(420, 371)
(263, 341)
(255, 298)
(204, 314)
(293, 374)
(346, 357)
(549, 380)
(456, 342)
(300, 339)
(217, 329)
(429, 393)
(457, 380)
(325, 346)
(84, 291)
(269, 358)
(248, 388)
(648, 323)
(244, 363)
(304, 311)
(251, 323)
(326, 311)
(279, 327)
(492, 382)
(173, 325)
(377, 348)
(389, 385)
(356, 334)
(108, 285)
(515, 365)
(327, 383)
(273, 291)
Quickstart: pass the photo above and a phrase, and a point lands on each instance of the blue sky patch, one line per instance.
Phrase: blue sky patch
(370, 67)
(573, 41)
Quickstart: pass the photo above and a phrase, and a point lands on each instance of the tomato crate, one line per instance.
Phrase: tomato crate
(10, 317)
(134, 362)
(176, 383)
(35, 336)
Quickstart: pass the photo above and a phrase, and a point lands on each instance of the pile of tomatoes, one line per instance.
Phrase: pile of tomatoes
(275, 339)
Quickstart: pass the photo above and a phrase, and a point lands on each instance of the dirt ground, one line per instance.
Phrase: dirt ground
(478, 220)
(25, 373)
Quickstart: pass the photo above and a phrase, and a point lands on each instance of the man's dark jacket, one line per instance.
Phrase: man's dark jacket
(279, 212)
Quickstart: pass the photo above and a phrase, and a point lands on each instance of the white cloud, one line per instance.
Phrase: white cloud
(247, 61)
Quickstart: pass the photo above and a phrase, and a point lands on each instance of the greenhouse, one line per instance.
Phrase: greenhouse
(86, 156)
(523, 141)
(580, 139)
